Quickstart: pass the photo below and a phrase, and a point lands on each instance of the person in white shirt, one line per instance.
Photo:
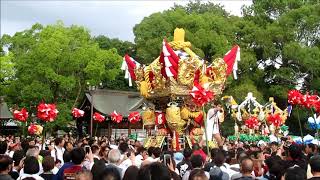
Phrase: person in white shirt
(58, 150)
(197, 163)
(33, 152)
(114, 158)
(31, 169)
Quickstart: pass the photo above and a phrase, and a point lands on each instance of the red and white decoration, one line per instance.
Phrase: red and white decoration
(21, 115)
(98, 117)
(274, 119)
(201, 96)
(77, 112)
(35, 129)
(134, 117)
(252, 122)
(128, 65)
(47, 112)
(160, 118)
(169, 61)
(116, 117)
(231, 58)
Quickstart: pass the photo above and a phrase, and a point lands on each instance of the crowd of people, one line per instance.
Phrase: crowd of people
(100, 158)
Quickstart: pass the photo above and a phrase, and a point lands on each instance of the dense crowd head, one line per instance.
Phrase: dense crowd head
(123, 159)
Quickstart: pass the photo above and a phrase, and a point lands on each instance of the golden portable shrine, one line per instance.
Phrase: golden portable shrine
(167, 84)
(257, 122)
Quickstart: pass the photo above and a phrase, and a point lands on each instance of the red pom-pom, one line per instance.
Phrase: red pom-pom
(21, 115)
(294, 97)
(274, 119)
(47, 112)
(98, 117)
(308, 100)
(252, 122)
(77, 112)
(201, 96)
(316, 106)
(134, 117)
(116, 117)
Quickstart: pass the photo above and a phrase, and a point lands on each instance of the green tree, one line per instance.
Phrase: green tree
(54, 63)
(279, 43)
(123, 47)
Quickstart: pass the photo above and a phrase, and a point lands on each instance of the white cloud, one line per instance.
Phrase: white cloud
(111, 18)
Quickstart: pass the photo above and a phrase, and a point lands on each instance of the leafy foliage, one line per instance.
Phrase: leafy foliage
(279, 43)
(53, 64)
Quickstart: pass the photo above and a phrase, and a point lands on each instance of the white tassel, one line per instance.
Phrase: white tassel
(235, 65)
(130, 81)
(126, 74)
(124, 65)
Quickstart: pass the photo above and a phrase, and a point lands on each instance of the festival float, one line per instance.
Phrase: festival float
(254, 122)
(176, 86)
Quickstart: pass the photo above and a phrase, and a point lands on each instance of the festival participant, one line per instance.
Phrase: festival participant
(12, 148)
(296, 157)
(114, 158)
(210, 164)
(198, 174)
(220, 170)
(246, 169)
(58, 150)
(33, 151)
(98, 169)
(154, 171)
(275, 168)
(156, 154)
(77, 157)
(103, 153)
(67, 164)
(185, 164)
(3, 147)
(196, 163)
(17, 164)
(5, 167)
(48, 165)
(315, 167)
(131, 173)
(31, 169)
(215, 116)
(83, 175)
(95, 151)
(274, 147)
(149, 157)
(295, 173)
(111, 172)
(310, 150)
(68, 146)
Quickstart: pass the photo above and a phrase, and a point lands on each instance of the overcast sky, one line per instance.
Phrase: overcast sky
(114, 19)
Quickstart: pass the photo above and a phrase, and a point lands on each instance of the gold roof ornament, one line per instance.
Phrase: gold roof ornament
(271, 108)
(152, 82)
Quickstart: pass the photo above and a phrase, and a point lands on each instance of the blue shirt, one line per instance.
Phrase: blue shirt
(59, 175)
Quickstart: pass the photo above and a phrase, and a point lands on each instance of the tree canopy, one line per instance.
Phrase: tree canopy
(279, 43)
(54, 64)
